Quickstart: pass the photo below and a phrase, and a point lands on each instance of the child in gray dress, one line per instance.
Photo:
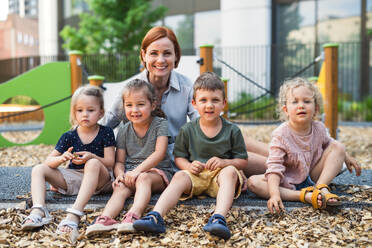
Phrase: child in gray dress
(141, 146)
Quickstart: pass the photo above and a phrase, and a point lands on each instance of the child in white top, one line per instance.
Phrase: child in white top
(301, 152)
(90, 148)
(141, 146)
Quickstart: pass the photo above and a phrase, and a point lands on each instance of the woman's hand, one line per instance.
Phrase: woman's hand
(130, 178)
(214, 163)
(82, 157)
(196, 167)
(275, 204)
(67, 155)
(352, 163)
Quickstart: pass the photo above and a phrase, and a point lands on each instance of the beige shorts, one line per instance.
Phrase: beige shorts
(206, 184)
(74, 178)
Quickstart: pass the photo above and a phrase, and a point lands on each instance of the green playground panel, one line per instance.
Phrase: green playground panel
(46, 84)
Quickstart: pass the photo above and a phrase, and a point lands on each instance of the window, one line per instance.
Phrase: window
(19, 37)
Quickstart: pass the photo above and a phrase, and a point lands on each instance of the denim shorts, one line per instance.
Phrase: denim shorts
(308, 182)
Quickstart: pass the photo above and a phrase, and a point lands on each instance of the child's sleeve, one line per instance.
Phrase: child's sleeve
(181, 145)
(120, 139)
(162, 129)
(275, 161)
(109, 137)
(238, 149)
(324, 133)
(63, 143)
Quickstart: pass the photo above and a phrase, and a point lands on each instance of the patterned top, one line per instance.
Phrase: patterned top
(138, 149)
(293, 156)
(104, 138)
(193, 144)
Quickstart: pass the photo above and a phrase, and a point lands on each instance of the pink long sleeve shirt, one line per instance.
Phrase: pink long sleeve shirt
(292, 156)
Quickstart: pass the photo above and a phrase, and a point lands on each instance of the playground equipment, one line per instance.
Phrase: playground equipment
(45, 84)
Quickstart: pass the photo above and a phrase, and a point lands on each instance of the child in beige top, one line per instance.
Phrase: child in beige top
(300, 153)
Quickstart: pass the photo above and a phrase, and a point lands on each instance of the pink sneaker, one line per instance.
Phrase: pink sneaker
(126, 225)
(101, 224)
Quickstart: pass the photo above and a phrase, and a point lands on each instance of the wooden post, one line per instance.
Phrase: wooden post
(206, 56)
(76, 72)
(226, 108)
(331, 87)
(96, 80)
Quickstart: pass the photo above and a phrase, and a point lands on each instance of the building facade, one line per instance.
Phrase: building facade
(19, 37)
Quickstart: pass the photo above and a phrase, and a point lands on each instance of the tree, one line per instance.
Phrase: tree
(112, 26)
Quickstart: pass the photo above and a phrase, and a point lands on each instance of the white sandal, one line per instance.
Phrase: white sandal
(74, 233)
(37, 220)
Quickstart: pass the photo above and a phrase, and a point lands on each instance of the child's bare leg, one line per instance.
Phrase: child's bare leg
(256, 146)
(256, 164)
(329, 165)
(40, 174)
(146, 183)
(116, 203)
(181, 183)
(258, 185)
(96, 176)
(227, 180)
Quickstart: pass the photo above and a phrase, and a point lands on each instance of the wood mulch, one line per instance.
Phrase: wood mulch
(298, 227)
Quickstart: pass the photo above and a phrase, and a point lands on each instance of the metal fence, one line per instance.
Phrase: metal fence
(268, 66)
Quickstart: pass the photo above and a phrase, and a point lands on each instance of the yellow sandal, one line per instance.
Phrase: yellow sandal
(328, 196)
(314, 197)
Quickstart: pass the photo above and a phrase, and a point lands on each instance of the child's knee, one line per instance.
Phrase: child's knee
(253, 182)
(93, 165)
(39, 169)
(121, 189)
(180, 176)
(339, 147)
(143, 178)
(229, 172)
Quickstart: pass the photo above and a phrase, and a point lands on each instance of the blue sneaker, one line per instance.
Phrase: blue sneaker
(217, 226)
(152, 223)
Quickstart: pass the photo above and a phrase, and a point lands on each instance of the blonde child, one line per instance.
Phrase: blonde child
(301, 152)
(141, 146)
(209, 151)
(90, 148)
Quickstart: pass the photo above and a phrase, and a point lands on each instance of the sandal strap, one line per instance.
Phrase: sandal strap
(69, 223)
(322, 185)
(44, 209)
(304, 191)
(75, 212)
(35, 218)
(331, 196)
(314, 199)
(131, 215)
(154, 215)
(217, 218)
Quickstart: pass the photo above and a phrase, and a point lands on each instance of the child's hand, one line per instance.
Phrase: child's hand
(214, 163)
(352, 163)
(275, 204)
(82, 157)
(130, 178)
(196, 167)
(119, 180)
(67, 155)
